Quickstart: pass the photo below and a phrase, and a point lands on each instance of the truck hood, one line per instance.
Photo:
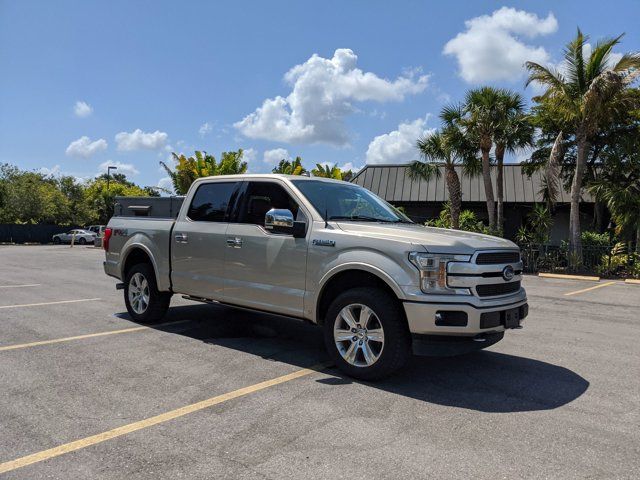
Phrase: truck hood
(435, 240)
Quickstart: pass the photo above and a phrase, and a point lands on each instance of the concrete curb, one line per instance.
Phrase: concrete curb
(570, 277)
(633, 281)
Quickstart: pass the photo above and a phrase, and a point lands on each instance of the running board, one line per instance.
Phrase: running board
(200, 299)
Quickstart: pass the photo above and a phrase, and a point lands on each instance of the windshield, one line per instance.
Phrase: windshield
(345, 201)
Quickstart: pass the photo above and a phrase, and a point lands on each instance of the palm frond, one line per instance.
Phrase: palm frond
(423, 170)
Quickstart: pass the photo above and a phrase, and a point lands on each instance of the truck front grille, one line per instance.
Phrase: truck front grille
(494, 258)
(497, 289)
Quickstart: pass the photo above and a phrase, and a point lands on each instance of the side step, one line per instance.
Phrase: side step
(120, 286)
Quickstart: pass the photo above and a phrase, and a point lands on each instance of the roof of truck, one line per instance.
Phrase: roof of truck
(249, 176)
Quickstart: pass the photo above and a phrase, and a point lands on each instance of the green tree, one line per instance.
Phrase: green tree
(449, 147)
(290, 167)
(326, 171)
(585, 99)
(618, 186)
(188, 169)
(31, 197)
(513, 132)
(101, 199)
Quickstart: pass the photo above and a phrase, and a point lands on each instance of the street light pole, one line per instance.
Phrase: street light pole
(109, 168)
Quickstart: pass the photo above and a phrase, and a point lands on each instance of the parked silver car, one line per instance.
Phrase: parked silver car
(82, 237)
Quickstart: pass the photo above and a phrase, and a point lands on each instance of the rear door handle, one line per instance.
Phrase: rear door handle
(181, 237)
(235, 242)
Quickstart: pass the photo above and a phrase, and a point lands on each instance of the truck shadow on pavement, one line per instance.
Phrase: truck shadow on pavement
(486, 381)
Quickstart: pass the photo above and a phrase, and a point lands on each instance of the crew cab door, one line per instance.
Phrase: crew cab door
(198, 241)
(265, 270)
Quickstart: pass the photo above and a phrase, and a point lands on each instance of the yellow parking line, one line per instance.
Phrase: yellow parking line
(20, 286)
(590, 288)
(149, 422)
(68, 339)
(89, 335)
(50, 303)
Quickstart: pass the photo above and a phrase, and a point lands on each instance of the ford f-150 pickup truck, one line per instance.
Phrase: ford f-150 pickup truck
(328, 252)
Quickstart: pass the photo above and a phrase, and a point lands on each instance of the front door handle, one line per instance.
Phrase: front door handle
(181, 237)
(235, 242)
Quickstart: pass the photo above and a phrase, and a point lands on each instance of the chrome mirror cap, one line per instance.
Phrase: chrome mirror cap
(278, 218)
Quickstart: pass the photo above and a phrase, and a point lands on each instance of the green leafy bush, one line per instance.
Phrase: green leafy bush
(468, 221)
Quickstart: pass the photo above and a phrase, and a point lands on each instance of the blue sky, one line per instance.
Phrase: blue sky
(85, 84)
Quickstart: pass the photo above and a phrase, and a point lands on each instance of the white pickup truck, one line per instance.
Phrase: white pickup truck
(328, 252)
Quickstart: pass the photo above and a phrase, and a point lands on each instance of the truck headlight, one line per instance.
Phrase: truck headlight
(433, 272)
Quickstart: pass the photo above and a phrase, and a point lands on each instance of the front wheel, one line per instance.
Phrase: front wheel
(144, 302)
(366, 334)
(57, 241)
(82, 241)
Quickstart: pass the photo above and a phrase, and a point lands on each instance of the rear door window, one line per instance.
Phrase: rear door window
(211, 202)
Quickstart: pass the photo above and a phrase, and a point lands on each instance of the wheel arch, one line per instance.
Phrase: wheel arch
(350, 276)
(138, 254)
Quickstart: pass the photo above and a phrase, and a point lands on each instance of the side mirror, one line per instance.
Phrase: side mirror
(280, 220)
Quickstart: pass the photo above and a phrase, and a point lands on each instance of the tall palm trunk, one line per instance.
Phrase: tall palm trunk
(455, 194)
(500, 187)
(575, 242)
(488, 188)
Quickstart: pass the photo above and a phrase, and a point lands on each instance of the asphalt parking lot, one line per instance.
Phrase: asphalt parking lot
(222, 393)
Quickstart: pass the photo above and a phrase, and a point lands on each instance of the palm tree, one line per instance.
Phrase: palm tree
(483, 113)
(586, 96)
(514, 131)
(188, 169)
(447, 147)
(288, 167)
(326, 171)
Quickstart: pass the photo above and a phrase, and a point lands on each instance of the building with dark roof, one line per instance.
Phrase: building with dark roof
(423, 200)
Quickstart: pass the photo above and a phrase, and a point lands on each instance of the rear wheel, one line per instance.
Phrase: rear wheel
(144, 302)
(366, 334)
(57, 241)
(82, 241)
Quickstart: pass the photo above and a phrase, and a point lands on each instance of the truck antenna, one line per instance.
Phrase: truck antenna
(326, 217)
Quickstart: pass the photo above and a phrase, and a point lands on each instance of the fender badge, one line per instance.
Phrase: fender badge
(324, 243)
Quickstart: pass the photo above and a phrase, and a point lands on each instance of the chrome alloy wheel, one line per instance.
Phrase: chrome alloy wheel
(358, 334)
(139, 293)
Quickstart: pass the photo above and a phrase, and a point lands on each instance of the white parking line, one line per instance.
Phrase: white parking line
(49, 303)
(20, 286)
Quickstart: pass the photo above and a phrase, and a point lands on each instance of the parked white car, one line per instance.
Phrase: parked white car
(82, 237)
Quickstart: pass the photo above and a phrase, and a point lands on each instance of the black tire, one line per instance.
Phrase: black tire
(158, 301)
(396, 350)
(82, 241)
(57, 241)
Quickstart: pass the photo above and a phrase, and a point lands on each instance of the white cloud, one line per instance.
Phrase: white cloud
(166, 184)
(249, 155)
(323, 90)
(398, 146)
(125, 168)
(50, 172)
(350, 166)
(139, 140)
(82, 109)
(85, 148)
(491, 47)
(205, 129)
(273, 157)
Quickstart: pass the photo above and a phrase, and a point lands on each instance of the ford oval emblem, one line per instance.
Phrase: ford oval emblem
(508, 273)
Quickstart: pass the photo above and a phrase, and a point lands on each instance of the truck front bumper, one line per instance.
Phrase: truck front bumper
(465, 319)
